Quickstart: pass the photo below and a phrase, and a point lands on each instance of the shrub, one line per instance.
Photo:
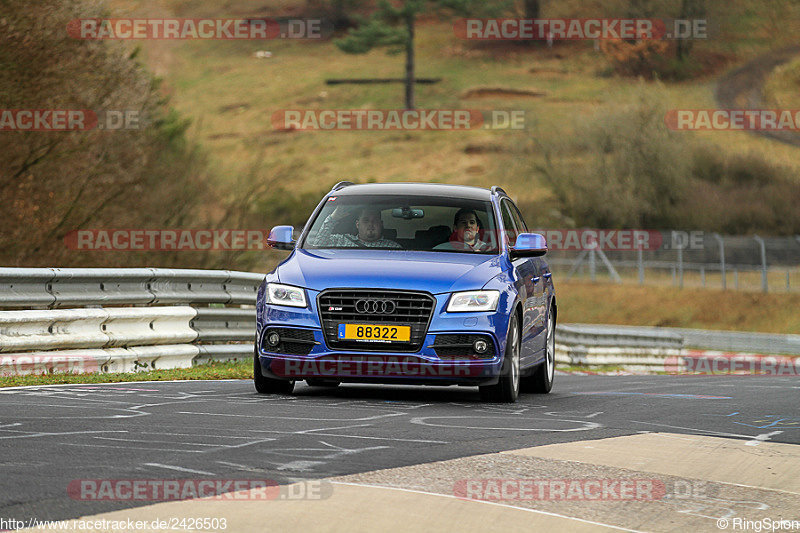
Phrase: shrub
(625, 169)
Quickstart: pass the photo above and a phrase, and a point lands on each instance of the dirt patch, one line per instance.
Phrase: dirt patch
(220, 136)
(484, 149)
(234, 107)
(493, 92)
(744, 88)
(574, 101)
(548, 71)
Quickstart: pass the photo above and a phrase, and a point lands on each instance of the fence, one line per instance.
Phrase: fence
(692, 260)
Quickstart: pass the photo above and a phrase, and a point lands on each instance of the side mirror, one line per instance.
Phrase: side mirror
(280, 238)
(528, 245)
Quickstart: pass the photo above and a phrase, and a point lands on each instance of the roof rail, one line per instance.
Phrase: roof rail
(498, 190)
(342, 185)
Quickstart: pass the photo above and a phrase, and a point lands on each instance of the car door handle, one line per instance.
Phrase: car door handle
(548, 275)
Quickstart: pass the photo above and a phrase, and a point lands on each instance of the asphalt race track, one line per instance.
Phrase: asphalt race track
(50, 436)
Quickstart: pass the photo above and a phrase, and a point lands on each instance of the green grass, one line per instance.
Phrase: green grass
(227, 370)
(782, 89)
(610, 303)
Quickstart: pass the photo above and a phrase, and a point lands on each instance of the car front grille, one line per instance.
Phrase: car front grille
(403, 308)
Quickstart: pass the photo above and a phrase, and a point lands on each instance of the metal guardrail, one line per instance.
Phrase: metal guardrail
(612, 336)
(656, 348)
(600, 345)
(51, 288)
(228, 324)
(95, 328)
(731, 341)
(122, 320)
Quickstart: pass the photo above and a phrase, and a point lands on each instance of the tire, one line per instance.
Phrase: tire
(268, 385)
(321, 382)
(506, 389)
(541, 380)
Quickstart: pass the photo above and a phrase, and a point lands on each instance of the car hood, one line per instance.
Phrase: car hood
(435, 272)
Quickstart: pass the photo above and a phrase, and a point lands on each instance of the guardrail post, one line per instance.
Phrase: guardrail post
(736, 278)
(640, 265)
(679, 247)
(787, 282)
(763, 247)
(721, 258)
(703, 276)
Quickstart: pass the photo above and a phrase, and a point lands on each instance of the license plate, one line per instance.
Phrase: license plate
(374, 332)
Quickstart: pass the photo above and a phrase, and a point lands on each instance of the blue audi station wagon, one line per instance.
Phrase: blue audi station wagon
(409, 283)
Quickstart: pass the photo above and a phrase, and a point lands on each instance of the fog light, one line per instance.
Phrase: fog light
(273, 339)
(480, 346)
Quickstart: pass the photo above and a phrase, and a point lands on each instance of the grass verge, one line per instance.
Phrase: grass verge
(610, 303)
(220, 370)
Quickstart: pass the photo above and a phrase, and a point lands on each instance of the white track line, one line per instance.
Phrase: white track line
(180, 469)
(488, 503)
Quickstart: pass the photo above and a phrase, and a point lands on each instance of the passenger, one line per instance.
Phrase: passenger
(368, 224)
(467, 233)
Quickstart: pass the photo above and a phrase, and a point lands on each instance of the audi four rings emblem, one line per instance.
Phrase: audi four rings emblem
(375, 307)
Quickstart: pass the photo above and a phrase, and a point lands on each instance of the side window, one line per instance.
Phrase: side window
(509, 225)
(520, 222)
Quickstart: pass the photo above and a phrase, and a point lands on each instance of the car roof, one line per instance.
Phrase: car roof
(428, 189)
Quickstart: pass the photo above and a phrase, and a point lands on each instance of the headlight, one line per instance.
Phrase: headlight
(473, 301)
(278, 294)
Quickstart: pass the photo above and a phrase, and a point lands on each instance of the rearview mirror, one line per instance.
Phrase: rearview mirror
(407, 213)
(280, 237)
(529, 245)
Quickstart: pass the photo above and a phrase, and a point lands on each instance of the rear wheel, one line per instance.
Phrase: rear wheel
(266, 385)
(541, 381)
(507, 388)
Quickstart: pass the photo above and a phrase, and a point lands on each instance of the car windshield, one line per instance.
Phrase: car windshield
(420, 223)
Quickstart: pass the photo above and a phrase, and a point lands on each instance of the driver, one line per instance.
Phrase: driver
(368, 224)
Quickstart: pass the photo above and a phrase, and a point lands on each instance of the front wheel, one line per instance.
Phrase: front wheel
(507, 388)
(541, 381)
(266, 385)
